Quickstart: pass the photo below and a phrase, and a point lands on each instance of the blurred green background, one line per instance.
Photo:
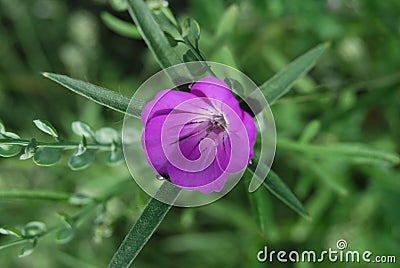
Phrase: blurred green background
(353, 92)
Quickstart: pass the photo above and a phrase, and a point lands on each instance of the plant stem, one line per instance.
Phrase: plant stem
(81, 216)
(14, 243)
(34, 194)
(61, 145)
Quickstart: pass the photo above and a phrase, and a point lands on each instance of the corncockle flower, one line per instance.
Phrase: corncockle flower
(198, 138)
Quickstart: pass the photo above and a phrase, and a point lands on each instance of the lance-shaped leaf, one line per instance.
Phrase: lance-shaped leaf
(120, 27)
(105, 97)
(145, 226)
(283, 81)
(354, 152)
(277, 187)
(152, 34)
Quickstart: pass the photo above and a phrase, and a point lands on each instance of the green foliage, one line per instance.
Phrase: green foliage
(338, 128)
(49, 153)
(97, 94)
(9, 150)
(277, 187)
(119, 26)
(46, 127)
(47, 156)
(152, 34)
(145, 226)
(281, 83)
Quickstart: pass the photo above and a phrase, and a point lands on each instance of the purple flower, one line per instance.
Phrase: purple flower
(198, 138)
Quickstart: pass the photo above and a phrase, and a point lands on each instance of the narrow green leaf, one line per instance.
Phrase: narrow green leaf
(119, 26)
(189, 56)
(82, 129)
(119, 5)
(257, 200)
(46, 127)
(171, 40)
(170, 16)
(191, 31)
(9, 150)
(152, 34)
(78, 162)
(283, 81)
(359, 153)
(47, 156)
(227, 22)
(224, 55)
(100, 95)
(234, 85)
(2, 127)
(322, 173)
(166, 25)
(10, 231)
(145, 226)
(310, 131)
(277, 187)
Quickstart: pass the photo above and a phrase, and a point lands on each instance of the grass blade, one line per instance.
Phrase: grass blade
(355, 152)
(277, 187)
(145, 226)
(257, 202)
(100, 95)
(283, 81)
(152, 34)
(120, 27)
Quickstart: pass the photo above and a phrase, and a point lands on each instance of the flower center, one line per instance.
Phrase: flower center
(218, 122)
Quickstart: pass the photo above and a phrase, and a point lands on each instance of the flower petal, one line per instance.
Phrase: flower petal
(164, 102)
(209, 180)
(185, 137)
(151, 141)
(251, 131)
(216, 89)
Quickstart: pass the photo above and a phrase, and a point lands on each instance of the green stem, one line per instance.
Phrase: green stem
(82, 215)
(61, 145)
(14, 243)
(34, 194)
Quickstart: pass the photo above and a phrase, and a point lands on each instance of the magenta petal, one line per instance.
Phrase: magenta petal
(215, 186)
(224, 152)
(251, 131)
(195, 180)
(164, 102)
(185, 139)
(151, 141)
(216, 89)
